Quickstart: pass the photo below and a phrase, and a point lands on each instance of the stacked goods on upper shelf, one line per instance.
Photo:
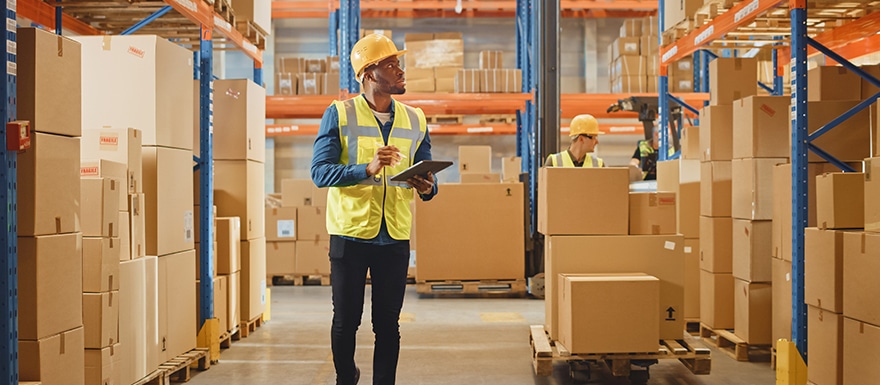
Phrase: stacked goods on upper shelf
(635, 60)
(301, 76)
(682, 177)
(431, 61)
(252, 13)
(490, 77)
(674, 12)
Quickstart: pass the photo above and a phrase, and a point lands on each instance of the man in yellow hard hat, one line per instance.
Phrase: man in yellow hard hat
(584, 133)
(362, 143)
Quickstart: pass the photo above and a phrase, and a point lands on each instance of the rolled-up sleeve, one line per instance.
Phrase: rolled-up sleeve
(326, 171)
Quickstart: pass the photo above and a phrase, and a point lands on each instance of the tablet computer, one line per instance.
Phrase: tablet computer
(422, 168)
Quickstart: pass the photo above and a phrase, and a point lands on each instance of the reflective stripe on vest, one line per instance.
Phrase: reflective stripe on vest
(562, 159)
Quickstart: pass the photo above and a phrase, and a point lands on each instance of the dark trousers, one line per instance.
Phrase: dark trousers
(349, 262)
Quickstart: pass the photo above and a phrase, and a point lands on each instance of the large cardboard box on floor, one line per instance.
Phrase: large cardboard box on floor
(312, 257)
(238, 192)
(281, 258)
(253, 279)
(140, 81)
(659, 255)
(137, 210)
(752, 188)
(57, 359)
(751, 250)
(228, 245)
(102, 366)
(49, 285)
(752, 310)
(474, 159)
(109, 169)
(761, 123)
(692, 278)
(48, 186)
(100, 319)
(781, 291)
(221, 288)
(716, 300)
(716, 133)
(281, 224)
(849, 141)
(511, 168)
(715, 188)
(840, 200)
(121, 145)
(872, 189)
(169, 207)
(99, 207)
(139, 317)
(312, 223)
(233, 300)
(860, 341)
(463, 212)
(823, 269)
(49, 92)
(492, 177)
(825, 350)
(177, 334)
(564, 192)
(683, 178)
(828, 83)
(100, 263)
(652, 213)
(622, 320)
(731, 79)
(716, 244)
(861, 258)
(239, 121)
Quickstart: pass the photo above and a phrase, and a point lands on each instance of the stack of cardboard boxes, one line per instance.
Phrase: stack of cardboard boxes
(677, 11)
(491, 77)
(253, 14)
(432, 61)
(50, 271)
(305, 206)
(596, 229)
(629, 70)
(301, 76)
(280, 241)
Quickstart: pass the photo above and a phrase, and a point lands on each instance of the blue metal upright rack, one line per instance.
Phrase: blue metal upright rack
(8, 237)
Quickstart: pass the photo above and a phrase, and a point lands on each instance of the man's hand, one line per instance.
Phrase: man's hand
(422, 185)
(385, 156)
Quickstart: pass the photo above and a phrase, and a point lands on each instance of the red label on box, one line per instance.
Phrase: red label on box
(136, 51)
(768, 110)
(88, 171)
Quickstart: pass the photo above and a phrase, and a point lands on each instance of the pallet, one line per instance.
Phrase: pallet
(154, 378)
(224, 9)
(692, 326)
(734, 346)
(249, 30)
(512, 287)
(301, 280)
(178, 368)
(445, 119)
(227, 338)
(251, 326)
(545, 352)
(503, 118)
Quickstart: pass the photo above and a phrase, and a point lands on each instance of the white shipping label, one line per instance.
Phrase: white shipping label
(286, 228)
(10, 25)
(263, 291)
(688, 249)
(188, 229)
(669, 245)
(11, 68)
(11, 47)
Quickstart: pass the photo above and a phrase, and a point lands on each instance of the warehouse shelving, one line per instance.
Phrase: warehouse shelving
(9, 237)
(837, 30)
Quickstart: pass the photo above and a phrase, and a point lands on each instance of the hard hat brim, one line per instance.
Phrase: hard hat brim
(398, 54)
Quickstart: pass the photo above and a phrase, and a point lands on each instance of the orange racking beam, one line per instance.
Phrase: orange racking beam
(466, 13)
(471, 8)
(203, 14)
(278, 130)
(43, 13)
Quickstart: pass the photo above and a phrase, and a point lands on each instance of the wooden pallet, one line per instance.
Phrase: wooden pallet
(511, 287)
(178, 368)
(154, 378)
(545, 352)
(227, 338)
(445, 119)
(249, 30)
(734, 346)
(502, 118)
(301, 280)
(251, 326)
(692, 326)
(224, 9)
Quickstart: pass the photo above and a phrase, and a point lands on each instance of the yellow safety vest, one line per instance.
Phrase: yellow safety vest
(563, 159)
(645, 150)
(357, 211)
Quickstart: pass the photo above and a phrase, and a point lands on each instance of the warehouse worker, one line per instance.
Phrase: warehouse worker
(362, 142)
(584, 133)
(645, 156)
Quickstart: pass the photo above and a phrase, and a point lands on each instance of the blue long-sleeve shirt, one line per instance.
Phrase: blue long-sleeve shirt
(326, 171)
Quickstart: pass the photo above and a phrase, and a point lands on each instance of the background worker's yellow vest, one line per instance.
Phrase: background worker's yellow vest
(357, 210)
(562, 159)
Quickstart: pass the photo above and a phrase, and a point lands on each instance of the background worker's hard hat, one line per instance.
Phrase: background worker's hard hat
(584, 124)
(370, 50)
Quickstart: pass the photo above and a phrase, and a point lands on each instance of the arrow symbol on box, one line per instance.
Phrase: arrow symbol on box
(671, 311)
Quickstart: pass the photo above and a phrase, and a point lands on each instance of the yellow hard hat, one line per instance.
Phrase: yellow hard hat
(584, 124)
(370, 50)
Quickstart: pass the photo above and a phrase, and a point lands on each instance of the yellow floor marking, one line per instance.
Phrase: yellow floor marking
(502, 317)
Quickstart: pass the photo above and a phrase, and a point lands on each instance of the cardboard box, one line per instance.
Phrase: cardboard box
(490, 59)
(244, 200)
(492, 177)
(716, 245)
(258, 12)
(420, 85)
(626, 46)
(125, 246)
(333, 63)
(100, 264)
(56, 359)
(331, 82)
(474, 159)
(177, 334)
(198, 259)
(100, 319)
(716, 300)
(286, 83)
(228, 245)
(319, 195)
(732, 79)
(781, 291)
(99, 207)
(99, 365)
(781, 238)
(631, 27)
(690, 143)
(253, 279)
(562, 193)
(629, 84)
(692, 279)
(138, 318)
(446, 84)
(716, 136)
(439, 52)
(309, 84)
(140, 81)
(233, 300)
(197, 215)
(296, 192)
(315, 65)
(860, 341)
(849, 141)
(825, 350)
(752, 309)
(861, 258)
(49, 285)
(312, 223)
(715, 188)
(312, 257)
(652, 213)
(752, 184)
(827, 83)
(108, 169)
(48, 186)
(682, 69)
(463, 212)
(761, 123)
(652, 62)
(658, 255)
(221, 286)
(49, 92)
(751, 250)
(281, 224)
(290, 64)
(468, 80)
(683, 178)
(590, 323)
(840, 200)
(121, 145)
(872, 188)
(281, 258)
(239, 121)
(630, 66)
(676, 11)
(168, 193)
(685, 84)
(650, 26)
(138, 225)
(511, 168)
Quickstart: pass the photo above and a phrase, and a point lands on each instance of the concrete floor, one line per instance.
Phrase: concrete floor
(444, 341)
